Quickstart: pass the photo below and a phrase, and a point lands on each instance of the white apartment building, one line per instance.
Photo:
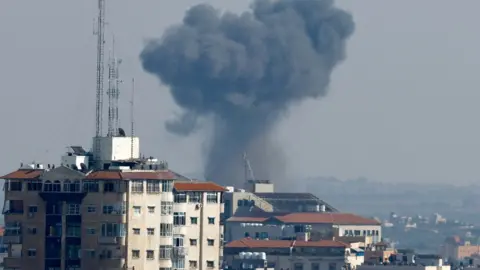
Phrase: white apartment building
(197, 230)
(249, 253)
(304, 225)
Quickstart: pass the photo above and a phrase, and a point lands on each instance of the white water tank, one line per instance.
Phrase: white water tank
(322, 208)
(230, 189)
(248, 255)
(242, 255)
(256, 255)
(263, 256)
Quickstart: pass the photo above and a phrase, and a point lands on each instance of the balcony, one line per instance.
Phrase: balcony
(109, 240)
(12, 239)
(180, 251)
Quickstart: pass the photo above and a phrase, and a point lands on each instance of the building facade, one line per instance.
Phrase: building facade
(62, 218)
(303, 225)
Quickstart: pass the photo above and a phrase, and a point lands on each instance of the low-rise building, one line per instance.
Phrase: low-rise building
(287, 254)
(303, 225)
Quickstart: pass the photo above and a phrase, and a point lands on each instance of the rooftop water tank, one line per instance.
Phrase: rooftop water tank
(242, 255)
(263, 256)
(248, 255)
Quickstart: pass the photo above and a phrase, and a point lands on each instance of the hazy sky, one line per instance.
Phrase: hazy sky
(402, 107)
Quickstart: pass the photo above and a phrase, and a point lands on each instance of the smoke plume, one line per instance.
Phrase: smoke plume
(244, 71)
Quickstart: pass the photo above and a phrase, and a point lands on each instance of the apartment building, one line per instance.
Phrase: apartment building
(122, 218)
(197, 228)
(250, 253)
(455, 248)
(314, 225)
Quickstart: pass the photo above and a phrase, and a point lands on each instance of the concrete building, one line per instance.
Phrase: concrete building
(455, 248)
(120, 217)
(287, 254)
(304, 225)
(259, 196)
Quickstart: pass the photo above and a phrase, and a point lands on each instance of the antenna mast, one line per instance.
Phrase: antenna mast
(132, 118)
(248, 168)
(100, 33)
(113, 92)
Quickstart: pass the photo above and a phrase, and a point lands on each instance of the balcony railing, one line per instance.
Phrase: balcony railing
(12, 239)
(180, 251)
(110, 240)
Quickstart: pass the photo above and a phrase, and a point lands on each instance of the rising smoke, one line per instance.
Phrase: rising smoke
(244, 71)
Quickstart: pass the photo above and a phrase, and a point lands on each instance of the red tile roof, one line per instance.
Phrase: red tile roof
(118, 175)
(197, 186)
(23, 174)
(313, 218)
(253, 243)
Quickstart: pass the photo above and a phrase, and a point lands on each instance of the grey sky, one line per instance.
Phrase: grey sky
(403, 107)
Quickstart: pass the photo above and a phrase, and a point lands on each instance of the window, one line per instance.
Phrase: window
(210, 264)
(193, 220)
(113, 230)
(32, 230)
(180, 197)
(151, 209)
(210, 242)
(167, 208)
(47, 186)
(90, 253)
(74, 230)
(150, 231)
(332, 266)
(66, 185)
(136, 231)
(90, 231)
(165, 268)
(315, 266)
(165, 252)
(195, 197)
(73, 209)
(137, 210)
(166, 229)
(116, 209)
(135, 254)
(150, 255)
(32, 209)
(247, 234)
(90, 186)
(178, 263)
(178, 240)
(192, 264)
(153, 186)
(179, 218)
(193, 242)
(109, 186)
(298, 266)
(57, 186)
(212, 197)
(211, 220)
(137, 186)
(167, 185)
(31, 252)
(91, 209)
(34, 185)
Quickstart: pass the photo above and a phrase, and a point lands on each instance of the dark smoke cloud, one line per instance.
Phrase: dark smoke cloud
(244, 71)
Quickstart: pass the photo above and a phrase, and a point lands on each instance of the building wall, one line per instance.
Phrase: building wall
(198, 235)
(303, 262)
(375, 231)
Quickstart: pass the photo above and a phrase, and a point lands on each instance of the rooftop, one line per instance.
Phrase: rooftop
(291, 202)
(252, 243)
(24, 174)
(311, 218)
(197, 186)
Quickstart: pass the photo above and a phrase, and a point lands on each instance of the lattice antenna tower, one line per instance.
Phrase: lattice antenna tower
(100, 33)
(113, 92)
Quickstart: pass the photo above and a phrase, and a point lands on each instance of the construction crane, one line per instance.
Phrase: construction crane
(248, 168)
